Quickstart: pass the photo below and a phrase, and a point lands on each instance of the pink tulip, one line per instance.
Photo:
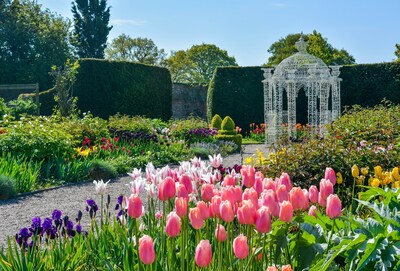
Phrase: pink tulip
(286, 212)
(333, 206)
(203, 254)
(226, 211)
(325, 189)
(285, 180)
(298, 199)
(147, 253)
(220, 233)
(268, 200)
(135, 206)
(181, 191)
(228, 193)
(185, 180)
(269, 184)
(287, 267)
(173, 224)
(229, 180)
(272, 268)
(181, 205)
(207, 192)
(240, 247)
(247, 213)
(250, 194)
(248, 175)
(204, 209)
(214, 206)
(330, 175)
(238, 193)
(263, 220)
(282, 193)
(166, 189)
(258, 186)
(311, 211)
(196, 220)
(313, 194)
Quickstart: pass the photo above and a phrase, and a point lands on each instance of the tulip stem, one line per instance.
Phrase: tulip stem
(101, 211)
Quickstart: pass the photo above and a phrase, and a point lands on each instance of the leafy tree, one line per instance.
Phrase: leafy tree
(91, 28)
(197, 64)
(140, 50)
(317, 46)
(31, 41)
(397, 52)
(64, 79)
(178, 66)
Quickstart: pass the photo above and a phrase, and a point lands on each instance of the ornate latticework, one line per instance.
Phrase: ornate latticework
(300, 71)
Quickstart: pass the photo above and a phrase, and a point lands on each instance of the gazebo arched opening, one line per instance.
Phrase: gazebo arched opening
(300, 72)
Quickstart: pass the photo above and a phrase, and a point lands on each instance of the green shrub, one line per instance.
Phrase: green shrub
(134, 123)
(179, 128)
(46, 101)
(3, 108)
(216, 122)
(7, 189)
(237, 139)
(102, 170)
(228, 124)
(107, 87)
(22, 106)
(227, 132)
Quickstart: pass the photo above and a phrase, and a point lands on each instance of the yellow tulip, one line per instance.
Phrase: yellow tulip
(397, 184)
(375, 182)
(354, 171)
(364, 170)
(339, 178)
(395, 173)
(378, 171)
(360, 179)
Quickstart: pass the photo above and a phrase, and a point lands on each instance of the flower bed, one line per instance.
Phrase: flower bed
(203, 216)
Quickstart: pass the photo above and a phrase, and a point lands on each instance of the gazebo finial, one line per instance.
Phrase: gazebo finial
(301, 45)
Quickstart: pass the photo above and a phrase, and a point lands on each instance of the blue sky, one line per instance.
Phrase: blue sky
(367, 29)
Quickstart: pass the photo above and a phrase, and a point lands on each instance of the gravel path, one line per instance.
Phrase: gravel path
(18, 212)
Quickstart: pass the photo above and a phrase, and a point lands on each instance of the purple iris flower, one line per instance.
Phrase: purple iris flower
(56, 214)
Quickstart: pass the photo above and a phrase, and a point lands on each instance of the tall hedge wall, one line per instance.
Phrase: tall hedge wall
(238, 91)
(107, 87)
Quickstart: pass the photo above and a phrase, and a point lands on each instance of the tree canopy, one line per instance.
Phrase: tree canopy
(397, 52)
(140, 50)
(317, 46)
(91, 28)
(32, 40)
(197, 64)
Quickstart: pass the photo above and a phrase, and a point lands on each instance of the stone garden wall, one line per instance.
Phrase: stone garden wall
(187, 100)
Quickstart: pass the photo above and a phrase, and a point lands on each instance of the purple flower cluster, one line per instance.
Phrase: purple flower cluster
(226, 170)
(92, 208)
(51, 228)
(133, 136)
(203, 132)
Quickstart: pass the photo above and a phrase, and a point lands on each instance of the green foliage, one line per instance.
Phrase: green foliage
(32, 40)
(107, 87)
(227, 132)
(46, 101)
(135, 123)
(3, 108)
(397, 52)
(141, 50)
(24, 172)
(216, 122)
(102, 170)
(22, 106)
(237, 92)
(237, 139)
(179, 128)
(64, 79)
(317, 46)
(228, 124)
(197, 64)
(90, 27)
(7, 189)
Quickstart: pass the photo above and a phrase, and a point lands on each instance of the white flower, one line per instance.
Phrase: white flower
(136, 173)
(215, 160)
(100, 187)
(137, 185)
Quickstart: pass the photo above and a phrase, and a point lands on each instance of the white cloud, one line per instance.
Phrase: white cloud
(127, 21)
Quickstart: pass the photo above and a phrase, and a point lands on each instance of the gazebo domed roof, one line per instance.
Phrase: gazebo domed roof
(301, 65)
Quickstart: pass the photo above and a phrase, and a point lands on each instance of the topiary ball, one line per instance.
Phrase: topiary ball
(216, 122)
(7, 188)
(228, 124)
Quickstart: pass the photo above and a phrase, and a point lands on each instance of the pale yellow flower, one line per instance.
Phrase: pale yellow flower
(355, 171)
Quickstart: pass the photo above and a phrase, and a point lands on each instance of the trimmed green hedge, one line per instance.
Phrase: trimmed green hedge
(108, 87)
(238, 91)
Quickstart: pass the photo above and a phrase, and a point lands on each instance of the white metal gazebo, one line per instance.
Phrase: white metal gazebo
(300, 71)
